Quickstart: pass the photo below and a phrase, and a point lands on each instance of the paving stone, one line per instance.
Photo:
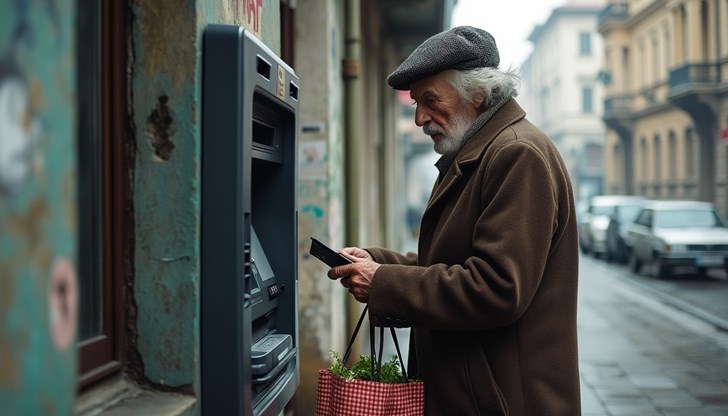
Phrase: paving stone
(672, 399)
(639, 409)
(652, 381)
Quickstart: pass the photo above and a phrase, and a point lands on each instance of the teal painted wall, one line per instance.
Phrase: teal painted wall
(166, 189)
(38, 181)
(38, 209)
(166, 84)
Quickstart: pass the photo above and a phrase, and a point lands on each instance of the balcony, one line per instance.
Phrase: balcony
(690, 74)
(694, 87)
(618, 113)
(614, 12)
(617, 106)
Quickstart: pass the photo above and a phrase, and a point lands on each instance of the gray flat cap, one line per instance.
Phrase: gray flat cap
(462, 47)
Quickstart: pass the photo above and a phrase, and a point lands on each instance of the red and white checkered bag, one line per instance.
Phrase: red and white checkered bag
(339, 397)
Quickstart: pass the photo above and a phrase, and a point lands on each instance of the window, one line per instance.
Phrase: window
(587, 100)
(668, 55)
(617, 163)
(287, 31)
(655, 60)
(643, 64)
(645, 218)
(585, 44)
(683, 24)
(102, 188)
(657, 148)
(672, 155)
(690, 153)
(625, 71)
(688, 218)
(705, 25)
(643, 159)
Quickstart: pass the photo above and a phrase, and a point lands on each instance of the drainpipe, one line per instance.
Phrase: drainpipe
(351, 71)
(353, 92)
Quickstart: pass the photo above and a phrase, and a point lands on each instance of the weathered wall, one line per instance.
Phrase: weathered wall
(322, 316)
(38, 224)
(38, 209)
(166, 84)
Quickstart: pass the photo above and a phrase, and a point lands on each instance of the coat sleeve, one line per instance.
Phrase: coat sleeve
(384, 256)
(510, 246)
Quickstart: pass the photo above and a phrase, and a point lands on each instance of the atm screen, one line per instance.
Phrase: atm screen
(259, 260)
(264, 288)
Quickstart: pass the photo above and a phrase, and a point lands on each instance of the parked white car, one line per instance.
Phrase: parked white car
(595, 221)
(670, 234)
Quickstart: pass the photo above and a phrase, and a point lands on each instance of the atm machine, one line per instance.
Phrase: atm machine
(249, 320)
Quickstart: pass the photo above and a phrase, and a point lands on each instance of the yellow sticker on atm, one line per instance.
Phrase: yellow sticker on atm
(281, 91)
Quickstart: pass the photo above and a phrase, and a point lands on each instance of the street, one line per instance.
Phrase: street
(650, 347)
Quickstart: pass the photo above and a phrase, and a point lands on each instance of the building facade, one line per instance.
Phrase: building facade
(562, 93)
(665, 103)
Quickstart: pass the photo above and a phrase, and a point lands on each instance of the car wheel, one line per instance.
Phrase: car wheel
(634, 263)
(624, 254)
(609, 256)
(584, 248)
(663, 270)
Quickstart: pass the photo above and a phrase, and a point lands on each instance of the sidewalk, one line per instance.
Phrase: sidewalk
(641, 357)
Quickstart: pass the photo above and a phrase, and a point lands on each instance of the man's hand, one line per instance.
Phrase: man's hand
(356, 252)
(357, 276)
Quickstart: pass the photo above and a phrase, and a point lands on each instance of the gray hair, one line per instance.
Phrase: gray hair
(491, 84)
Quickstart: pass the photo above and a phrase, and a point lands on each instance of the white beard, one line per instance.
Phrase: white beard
(451, 141)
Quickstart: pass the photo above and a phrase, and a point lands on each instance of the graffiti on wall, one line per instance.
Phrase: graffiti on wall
(20, 126)
(20, 130)
(252, 12)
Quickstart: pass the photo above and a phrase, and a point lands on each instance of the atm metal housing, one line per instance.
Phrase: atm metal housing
(249, 284)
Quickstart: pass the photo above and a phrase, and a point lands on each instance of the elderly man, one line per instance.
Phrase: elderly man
(491, 296)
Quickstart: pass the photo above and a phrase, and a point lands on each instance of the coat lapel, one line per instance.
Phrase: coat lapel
(473, 150)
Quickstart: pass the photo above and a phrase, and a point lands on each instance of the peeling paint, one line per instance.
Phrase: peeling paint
(167, 28)
(160, 128)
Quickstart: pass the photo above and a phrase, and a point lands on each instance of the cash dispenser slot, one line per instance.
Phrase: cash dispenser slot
(268, 352)
(271, 352)
(267, 143)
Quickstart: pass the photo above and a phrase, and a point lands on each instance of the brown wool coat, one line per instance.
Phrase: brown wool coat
(492, 295)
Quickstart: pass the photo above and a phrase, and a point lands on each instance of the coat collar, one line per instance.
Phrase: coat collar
(472, 151)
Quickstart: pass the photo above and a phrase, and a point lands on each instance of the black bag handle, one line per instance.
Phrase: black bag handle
(376, 359)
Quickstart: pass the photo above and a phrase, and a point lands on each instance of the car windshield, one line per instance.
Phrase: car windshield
(601, 210)
(628, 213)
(687, 218)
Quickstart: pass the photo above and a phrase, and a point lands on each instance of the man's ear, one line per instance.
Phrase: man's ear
(478, 101)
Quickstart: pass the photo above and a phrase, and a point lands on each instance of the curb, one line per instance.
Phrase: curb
(687, 307)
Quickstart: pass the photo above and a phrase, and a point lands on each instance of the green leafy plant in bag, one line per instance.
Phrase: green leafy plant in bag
(362, 369)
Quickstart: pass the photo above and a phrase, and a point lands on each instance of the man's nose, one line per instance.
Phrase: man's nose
(422, 117)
